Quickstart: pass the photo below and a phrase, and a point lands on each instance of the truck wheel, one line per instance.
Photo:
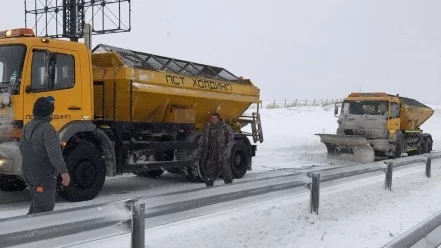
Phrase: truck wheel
(13, 185)
(240, 159)
(419, 149)
(425, 146)
(87, 172)
(430, 142)
(398, 146)
(194, 173)
(150, 173)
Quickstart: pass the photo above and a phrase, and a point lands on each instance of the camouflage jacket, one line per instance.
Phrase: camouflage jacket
(225, 139)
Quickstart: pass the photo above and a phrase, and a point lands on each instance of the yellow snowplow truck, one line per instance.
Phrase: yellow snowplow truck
(117, 110)
(378, 125)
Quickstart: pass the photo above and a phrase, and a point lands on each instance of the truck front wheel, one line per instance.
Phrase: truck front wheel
(194, 173)
(87, 172)
(398, 145)
(427, 144)
(240, 159)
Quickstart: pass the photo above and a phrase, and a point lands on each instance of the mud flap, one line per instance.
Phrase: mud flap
(350, 147)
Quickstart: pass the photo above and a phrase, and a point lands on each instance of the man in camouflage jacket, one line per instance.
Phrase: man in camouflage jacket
(215, 151)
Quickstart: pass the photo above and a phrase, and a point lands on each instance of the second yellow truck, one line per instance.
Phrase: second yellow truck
(379, 125)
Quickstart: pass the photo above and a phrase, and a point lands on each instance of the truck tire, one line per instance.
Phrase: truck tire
(425, 146)
(87, 171)
(150, 173)
(13, 185)
(398, 145)
(430, 144)
(194, 173)
(240, 159)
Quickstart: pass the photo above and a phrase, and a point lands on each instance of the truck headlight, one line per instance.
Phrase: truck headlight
(6, 164)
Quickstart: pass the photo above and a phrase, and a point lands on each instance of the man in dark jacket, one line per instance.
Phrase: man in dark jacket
(42, 158)
(216, 144)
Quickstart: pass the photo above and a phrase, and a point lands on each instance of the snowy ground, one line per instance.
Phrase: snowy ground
(354, 214)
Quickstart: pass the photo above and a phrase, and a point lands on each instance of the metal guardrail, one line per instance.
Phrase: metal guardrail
(76, 225)
(424, 235)
(314, 185)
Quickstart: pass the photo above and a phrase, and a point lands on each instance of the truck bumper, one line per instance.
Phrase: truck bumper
(10, 158)
(385, 146)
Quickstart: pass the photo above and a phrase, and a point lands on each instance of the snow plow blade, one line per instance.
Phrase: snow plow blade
(351, 147)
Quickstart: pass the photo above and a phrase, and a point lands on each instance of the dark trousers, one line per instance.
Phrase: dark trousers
(43, 197)
(213, 169)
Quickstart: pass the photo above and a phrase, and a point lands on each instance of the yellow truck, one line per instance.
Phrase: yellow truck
(378, 125)
(117, 110)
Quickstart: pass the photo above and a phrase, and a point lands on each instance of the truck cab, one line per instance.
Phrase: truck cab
(376, 117)
(376, 125)
(30, 68)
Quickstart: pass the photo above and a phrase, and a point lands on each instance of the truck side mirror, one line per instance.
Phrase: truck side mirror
(28, 89)
(336, 110)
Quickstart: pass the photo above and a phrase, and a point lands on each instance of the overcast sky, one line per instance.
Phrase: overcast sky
(298, 49)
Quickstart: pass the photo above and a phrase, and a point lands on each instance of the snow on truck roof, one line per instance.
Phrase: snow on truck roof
(405, 100)
(413, 102)
(160, 63)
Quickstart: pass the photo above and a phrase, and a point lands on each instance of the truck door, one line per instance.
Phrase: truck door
(54, 72)
(394, 121)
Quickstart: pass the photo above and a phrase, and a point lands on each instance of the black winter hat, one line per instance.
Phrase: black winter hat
(43, 107)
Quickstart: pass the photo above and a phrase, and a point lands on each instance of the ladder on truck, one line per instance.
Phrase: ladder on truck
(256, 126)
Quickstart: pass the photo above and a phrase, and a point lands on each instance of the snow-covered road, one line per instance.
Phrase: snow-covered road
(357, 213)
(174, 206)
(290, 147)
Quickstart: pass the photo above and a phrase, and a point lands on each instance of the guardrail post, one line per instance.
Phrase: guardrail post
(315, 193)
(388, 179)
(138, 225)
(429, 166)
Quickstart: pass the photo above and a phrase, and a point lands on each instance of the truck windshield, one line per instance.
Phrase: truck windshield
(366, 107)
(11, 64)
